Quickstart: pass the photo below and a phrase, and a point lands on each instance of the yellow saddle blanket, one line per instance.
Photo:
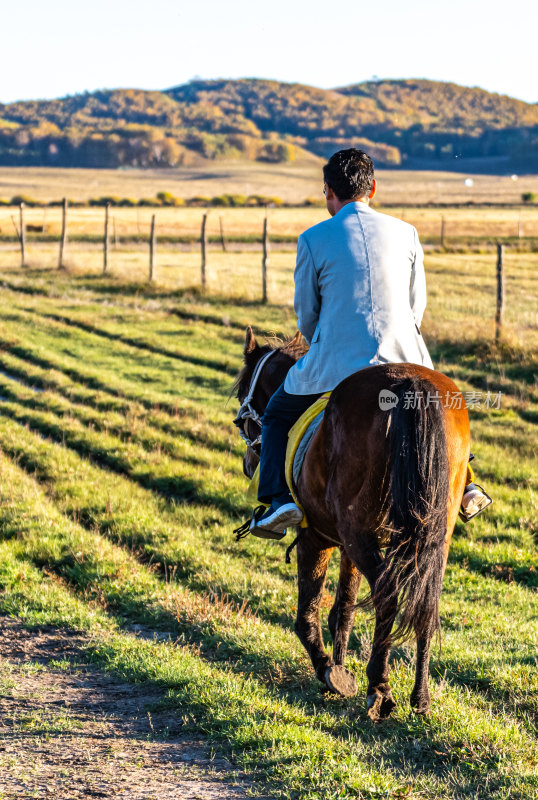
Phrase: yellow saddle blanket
(294, 438)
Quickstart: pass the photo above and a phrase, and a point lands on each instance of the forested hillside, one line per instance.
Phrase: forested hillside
(404, 122)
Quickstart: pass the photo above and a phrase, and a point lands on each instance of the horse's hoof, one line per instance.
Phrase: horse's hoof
(422, 709)
(341, 681)
(420, 705)
(422, 712)
(380, 706)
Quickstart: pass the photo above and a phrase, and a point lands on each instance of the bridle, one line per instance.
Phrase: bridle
(246, 410)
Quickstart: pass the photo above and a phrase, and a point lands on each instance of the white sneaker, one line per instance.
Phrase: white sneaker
(272, 523)
(474, 501)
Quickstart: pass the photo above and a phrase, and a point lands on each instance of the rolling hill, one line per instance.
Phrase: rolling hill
(400, 122)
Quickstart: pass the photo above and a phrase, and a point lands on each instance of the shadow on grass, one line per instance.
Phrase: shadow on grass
(521, 442)
(176, 488)
(115, 285)
(141, 541)
(465, 676)
(102, 425)
(142, 545)
(87, 381)
(510, 572)
(219, 366)
(472, 359)
(38, 291)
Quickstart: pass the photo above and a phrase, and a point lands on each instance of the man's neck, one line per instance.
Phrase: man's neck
(341, 203)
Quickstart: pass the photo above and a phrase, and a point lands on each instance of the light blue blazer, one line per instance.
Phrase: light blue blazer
(360, 294)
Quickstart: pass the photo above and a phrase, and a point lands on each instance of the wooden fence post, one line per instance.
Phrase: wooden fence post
(500, 292)
(265, 259)
(152, 248)
(63, 237)
(106, 239)
(519, 229)
(22, 235)
(222, 240)
(443, 233)
(203, 242)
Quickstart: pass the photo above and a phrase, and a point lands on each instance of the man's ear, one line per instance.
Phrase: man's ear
(329, 193)
(373, 190)
(250, 343)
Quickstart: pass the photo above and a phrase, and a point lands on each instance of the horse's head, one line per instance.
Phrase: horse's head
(264, 370)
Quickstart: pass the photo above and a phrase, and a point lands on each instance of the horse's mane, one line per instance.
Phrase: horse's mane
(294, 347)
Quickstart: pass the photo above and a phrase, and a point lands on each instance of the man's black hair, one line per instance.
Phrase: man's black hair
(349, 173)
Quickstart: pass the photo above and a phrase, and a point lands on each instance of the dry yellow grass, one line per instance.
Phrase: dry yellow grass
(490, 222)
(292, 182)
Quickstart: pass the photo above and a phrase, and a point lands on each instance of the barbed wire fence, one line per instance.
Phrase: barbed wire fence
(118, 231)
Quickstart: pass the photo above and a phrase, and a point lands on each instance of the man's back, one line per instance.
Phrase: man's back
(360, 295)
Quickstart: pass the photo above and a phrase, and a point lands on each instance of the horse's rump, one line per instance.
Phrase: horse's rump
(390, 470)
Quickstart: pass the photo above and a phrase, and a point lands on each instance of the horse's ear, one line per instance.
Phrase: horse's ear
(250, 343)
(296, 341)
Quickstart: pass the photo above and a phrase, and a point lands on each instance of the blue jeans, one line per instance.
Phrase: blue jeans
(282, 411)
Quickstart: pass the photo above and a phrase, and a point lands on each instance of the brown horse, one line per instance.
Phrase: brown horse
(384, 486)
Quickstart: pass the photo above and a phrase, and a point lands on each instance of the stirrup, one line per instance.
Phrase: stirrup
(466, 517)
(243, 530)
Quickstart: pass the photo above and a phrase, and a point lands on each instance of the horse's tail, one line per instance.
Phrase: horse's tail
(417, 510)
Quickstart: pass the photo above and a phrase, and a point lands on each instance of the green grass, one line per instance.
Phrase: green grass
(121, 481)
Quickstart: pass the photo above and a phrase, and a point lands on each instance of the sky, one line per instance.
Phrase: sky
(66, 47)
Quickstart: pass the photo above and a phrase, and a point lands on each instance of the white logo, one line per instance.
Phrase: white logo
(387, 400)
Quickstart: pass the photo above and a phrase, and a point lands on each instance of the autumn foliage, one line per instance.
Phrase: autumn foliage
(397, 122)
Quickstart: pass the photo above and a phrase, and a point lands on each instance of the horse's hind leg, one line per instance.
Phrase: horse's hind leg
(342, 614)
(341, 617)
(312, 562)
(420, 696)
(379, 695)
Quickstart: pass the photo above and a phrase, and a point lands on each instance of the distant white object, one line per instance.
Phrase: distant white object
(468, 182)
(514, 177)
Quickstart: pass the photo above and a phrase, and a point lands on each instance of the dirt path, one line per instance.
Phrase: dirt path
(69, 730)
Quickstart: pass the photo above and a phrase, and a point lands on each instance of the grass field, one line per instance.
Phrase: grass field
(293, 183)
(121, 481)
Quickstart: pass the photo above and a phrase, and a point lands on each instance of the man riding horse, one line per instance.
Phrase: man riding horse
(360, 294)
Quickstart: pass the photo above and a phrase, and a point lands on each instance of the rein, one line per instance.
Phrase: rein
(247, 410)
